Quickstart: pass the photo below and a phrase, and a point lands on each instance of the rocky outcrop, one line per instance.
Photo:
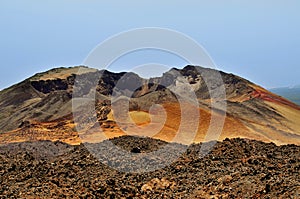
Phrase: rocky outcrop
(49, 86)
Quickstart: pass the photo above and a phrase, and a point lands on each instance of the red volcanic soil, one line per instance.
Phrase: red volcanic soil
(268, 96)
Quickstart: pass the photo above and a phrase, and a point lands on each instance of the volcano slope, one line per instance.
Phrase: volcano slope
(235, 168)
(43, 156)
(40, 108)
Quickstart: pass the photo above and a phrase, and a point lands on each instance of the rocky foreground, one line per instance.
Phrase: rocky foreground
(235, 168)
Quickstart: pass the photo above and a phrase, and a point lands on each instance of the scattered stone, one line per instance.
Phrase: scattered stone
(136, 150)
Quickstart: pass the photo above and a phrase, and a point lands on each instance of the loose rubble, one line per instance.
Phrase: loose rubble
(236, 168)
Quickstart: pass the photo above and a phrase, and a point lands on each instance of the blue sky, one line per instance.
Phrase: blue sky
(258, 40)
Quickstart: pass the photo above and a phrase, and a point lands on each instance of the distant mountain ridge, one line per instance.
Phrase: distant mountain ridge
(291, 93)
(40, 107)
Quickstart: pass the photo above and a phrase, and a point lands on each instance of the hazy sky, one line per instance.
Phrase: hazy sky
(258, 40)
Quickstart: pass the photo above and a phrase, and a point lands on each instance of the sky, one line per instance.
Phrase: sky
(258, 40)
